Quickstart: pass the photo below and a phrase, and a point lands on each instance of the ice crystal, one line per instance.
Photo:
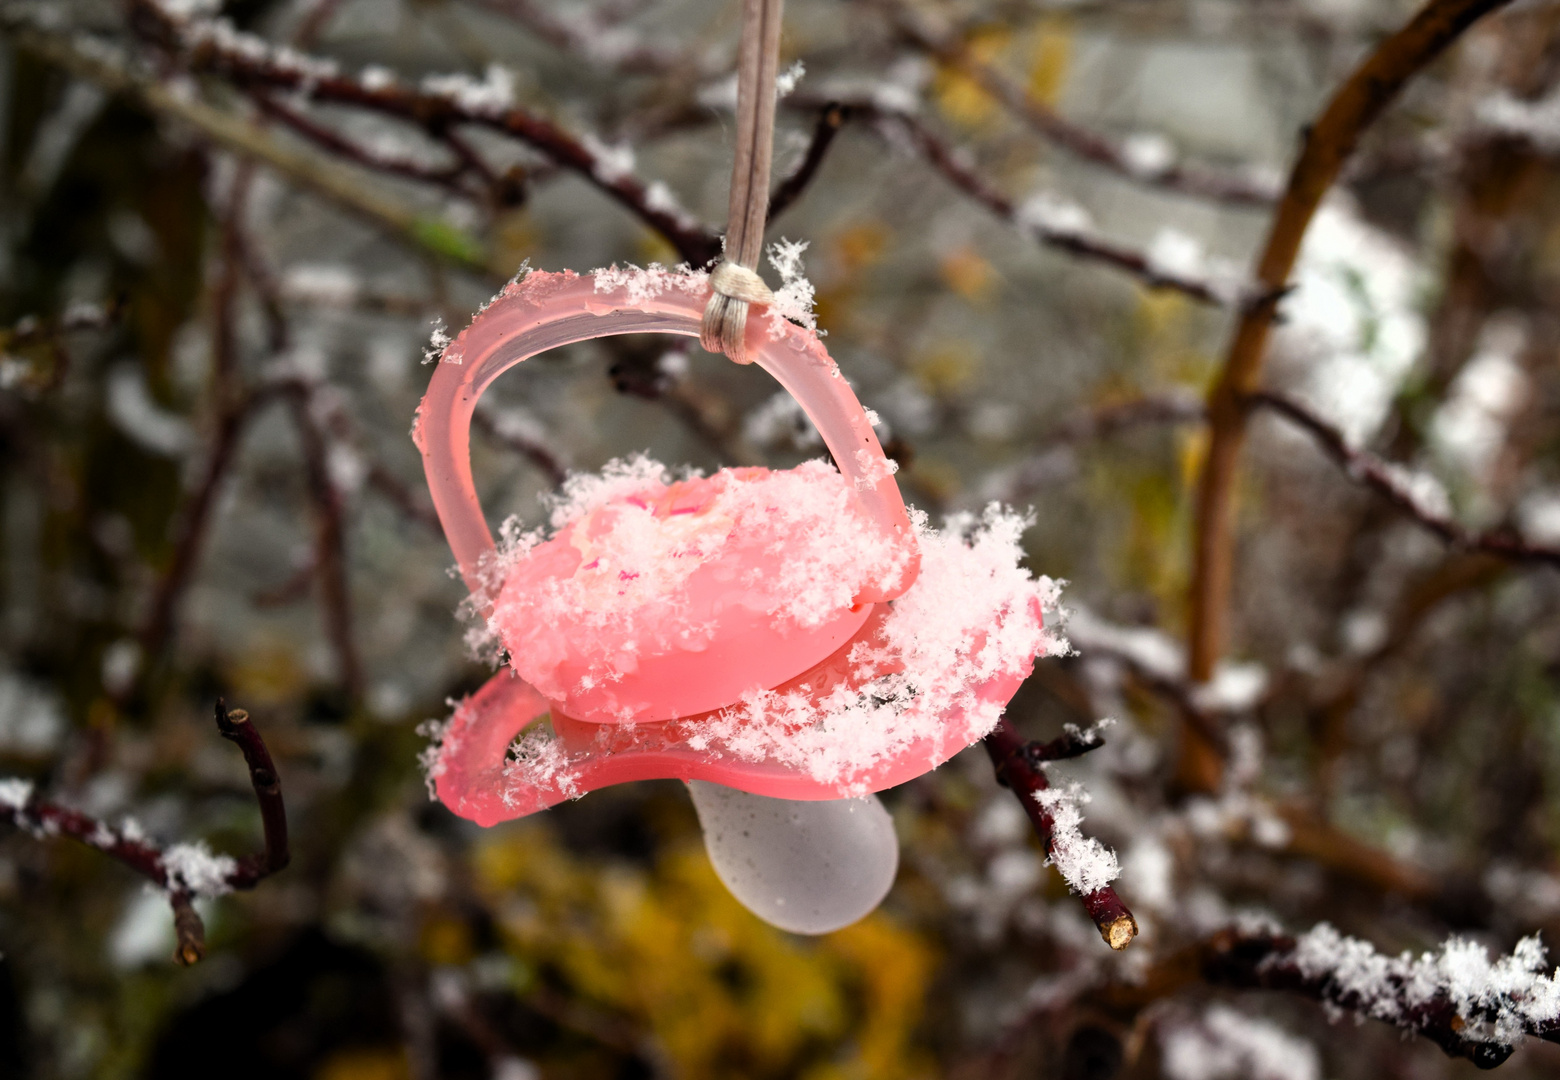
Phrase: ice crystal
(1501, 999)
(1084, 863)
(194, 868)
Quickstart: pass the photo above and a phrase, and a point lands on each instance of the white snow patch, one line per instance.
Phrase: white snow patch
(1224, 1044)
(15, 792)
(1148, 154)
(1353, 317)
(1498, 1000)
(138, 415)
(1086, 864)
(794, 299)
(193, 867)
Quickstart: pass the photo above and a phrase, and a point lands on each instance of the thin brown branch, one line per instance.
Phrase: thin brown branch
(831, 118)
(1018, 767)
(588, 35)
(182, 871)
(330, 539)
(250, 64)
(906, 130)
(192, 523)
(235, 726)
(522, 442)
(1328, 145)
(446, 176)
(1392, 483)
(333, 178)
(1227, 186)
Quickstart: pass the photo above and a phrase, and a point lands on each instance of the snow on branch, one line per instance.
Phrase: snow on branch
(1456, 996)
(1087, 865)
(183, 871)
(1415, 494)
(1047, 219)
(1147, 159)
(210, 45)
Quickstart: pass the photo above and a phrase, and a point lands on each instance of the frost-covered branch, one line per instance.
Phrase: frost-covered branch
(1329, 144)
(586, 33)
(1148, 160)
(1086, 864)
(1046, 220)
(214, 46)
(1418, 497)
(184, 871)
(1456, 997)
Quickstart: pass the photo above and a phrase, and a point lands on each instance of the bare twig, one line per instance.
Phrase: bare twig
(192, 524)
(182, 871)
(902, 128)
(587, 34)
(1391, 482)
(1328, 144)
(522, 442)
(317, 133)
(1231, 186)
(235, 727)
(1017, 766)
(831, 118)
(250, 63)
(328, 177)
(330, 542)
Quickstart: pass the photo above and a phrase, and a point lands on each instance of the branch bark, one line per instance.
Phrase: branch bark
(1017, 765)
(1328, 144)
(162, 866)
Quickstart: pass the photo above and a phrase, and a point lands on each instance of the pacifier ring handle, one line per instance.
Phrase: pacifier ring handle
(546, 311)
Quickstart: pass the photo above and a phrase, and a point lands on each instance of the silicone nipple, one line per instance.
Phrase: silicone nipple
(806, 867)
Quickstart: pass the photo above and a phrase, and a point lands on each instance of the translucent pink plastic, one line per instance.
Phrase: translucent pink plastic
(474, 777)
(705, 686)
(724, 649)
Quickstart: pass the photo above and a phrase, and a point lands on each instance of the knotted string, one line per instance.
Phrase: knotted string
(735, 281)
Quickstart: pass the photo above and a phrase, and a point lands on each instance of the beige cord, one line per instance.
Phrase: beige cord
(735, 281)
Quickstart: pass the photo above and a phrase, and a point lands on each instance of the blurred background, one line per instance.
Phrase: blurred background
(228, 231)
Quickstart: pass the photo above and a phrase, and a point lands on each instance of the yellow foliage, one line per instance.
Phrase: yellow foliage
(861, 245)
(268, 672)
(966, 273)
(514, 237)
(957, 95)
(446, 940)
(364, 1064)
(1191, 452)
(938, 479)
(655, 248)
(947, 368)
(723, 994)
(1050, 59)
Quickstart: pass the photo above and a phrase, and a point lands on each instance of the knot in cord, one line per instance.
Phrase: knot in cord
(724, 328)
(740, 283)
(735, 282)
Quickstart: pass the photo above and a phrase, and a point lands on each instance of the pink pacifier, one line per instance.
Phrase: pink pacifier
(786, 641)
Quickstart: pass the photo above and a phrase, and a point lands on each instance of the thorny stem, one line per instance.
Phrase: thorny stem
(44, 819)
(1328, 144)
(1017, 765)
